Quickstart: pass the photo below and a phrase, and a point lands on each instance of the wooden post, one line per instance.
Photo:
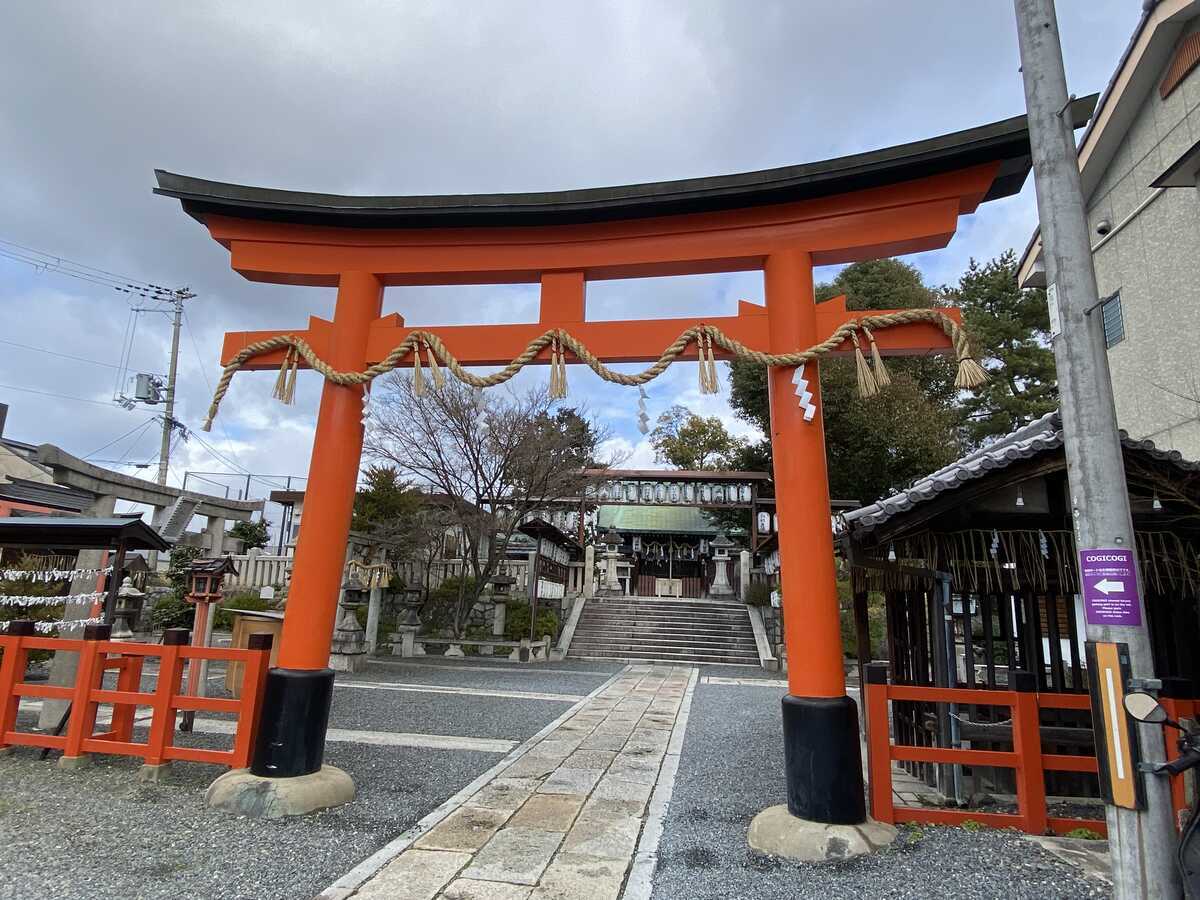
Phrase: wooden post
(879, 743)
(1027, 744)
(12, 670)
(253, 683)
(170, 672)
(87, 679)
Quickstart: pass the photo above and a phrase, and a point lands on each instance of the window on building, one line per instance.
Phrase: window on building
(1114, 321)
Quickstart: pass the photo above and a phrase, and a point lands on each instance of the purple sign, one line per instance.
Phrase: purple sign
(1110, 588)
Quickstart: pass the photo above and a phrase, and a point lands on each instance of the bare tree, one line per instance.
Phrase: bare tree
(496, 458)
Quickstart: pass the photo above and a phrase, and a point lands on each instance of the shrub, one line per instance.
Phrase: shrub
(1084, 834)
(516, 622)
(758, 594)
(172, 611)
(247, 601)
(437, 615)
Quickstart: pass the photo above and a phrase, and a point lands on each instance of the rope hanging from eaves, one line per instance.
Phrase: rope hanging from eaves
(871, 376)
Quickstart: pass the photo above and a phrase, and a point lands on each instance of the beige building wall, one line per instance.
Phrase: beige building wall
(1153, 260)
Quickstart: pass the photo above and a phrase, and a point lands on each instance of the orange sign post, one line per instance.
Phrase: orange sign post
(782, 222)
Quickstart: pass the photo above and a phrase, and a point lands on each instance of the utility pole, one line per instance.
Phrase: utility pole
(1141, 842)
(164, 452)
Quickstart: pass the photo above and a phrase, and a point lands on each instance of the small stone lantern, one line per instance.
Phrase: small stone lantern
(502, 586)
(349, 648)
(128, 598)
(610, 584)
(721, 546)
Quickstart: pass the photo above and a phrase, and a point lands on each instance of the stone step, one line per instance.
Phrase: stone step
(742, 660)
(669, 616)
(741, 640)
(649, 646)
(651, 622)
(665, 605)
(715, 637)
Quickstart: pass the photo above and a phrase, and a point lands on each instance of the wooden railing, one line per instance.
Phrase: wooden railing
(1026, 758)
(97, 655)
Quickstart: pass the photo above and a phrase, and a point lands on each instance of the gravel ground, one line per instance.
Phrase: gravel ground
(99, 834)
(732, 768)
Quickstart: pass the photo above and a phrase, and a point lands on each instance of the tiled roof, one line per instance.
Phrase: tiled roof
(54, 496)
(1041, 436)
(661, 519)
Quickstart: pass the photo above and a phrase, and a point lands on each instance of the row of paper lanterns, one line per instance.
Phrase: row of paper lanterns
(664, 492)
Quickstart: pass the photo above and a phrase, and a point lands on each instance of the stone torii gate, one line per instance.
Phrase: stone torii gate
(783, 222)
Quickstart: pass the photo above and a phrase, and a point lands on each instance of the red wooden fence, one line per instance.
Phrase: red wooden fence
(98, 655)
(1026, 757)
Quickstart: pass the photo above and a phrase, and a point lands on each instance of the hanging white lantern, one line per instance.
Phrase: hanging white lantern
(764, 523)
(660, 492)
(775, 522)
(631, 493)
(637, 543)
(648, 493)
(718, 494)
(744, 493)
(674, 493)
(706, 493)
(689, 492)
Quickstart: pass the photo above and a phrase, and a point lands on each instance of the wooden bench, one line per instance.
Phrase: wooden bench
(524, 650)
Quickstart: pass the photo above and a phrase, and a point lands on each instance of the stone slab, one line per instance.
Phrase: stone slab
(466, 829)
(470, 889)
(504, 793)
(414, 875)
(571, 781)
(605, 832)
(604, 741)
(574, 876)
(514, 855)
(529, 766)
(612, 788)
(590, 759)
(548, 812)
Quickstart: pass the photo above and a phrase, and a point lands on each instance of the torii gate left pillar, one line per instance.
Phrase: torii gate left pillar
(901, 200)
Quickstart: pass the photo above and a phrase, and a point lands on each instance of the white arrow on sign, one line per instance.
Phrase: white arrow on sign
(1109, 587)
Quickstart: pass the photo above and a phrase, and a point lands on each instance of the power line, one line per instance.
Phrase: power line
(52, 262)
(207, 381)
(143, 426)
(94, 362)
(13, 387)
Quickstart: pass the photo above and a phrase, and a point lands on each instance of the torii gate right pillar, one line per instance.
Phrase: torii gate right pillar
(822, 754)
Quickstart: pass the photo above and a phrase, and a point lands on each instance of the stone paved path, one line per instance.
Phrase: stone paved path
(563, 820)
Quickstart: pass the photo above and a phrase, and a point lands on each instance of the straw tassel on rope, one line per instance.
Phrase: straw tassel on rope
(867, 387)
(882, 378)
(418, 380)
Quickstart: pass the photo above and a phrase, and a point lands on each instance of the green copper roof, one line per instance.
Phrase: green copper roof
(663, 519)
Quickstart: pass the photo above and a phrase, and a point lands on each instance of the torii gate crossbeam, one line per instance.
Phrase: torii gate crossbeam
(783, 222)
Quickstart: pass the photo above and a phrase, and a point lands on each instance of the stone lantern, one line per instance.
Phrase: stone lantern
(128, 598)
(721, 545)
(502, 586)
(349, 650)
(404, 637)
(610, 584)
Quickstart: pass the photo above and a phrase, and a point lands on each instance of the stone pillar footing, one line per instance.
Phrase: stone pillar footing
(245, 794)
(154, 774)
(74, 763)
(777, 832)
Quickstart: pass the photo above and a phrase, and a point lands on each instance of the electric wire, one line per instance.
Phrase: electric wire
(141, 426)
(13, 387)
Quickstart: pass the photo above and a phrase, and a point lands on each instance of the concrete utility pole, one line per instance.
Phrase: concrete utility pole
(164, 452)
(1142, 842)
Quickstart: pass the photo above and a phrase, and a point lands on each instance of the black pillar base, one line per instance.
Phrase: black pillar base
(823, 760)
(295, 716)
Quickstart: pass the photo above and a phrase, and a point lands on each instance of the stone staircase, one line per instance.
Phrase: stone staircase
(669, 630)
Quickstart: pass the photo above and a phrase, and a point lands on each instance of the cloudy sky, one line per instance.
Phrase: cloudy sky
(407, 97)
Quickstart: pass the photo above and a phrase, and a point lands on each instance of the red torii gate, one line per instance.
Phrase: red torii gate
(783, 221)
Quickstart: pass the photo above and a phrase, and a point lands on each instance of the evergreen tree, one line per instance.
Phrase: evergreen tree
(1011, 330)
